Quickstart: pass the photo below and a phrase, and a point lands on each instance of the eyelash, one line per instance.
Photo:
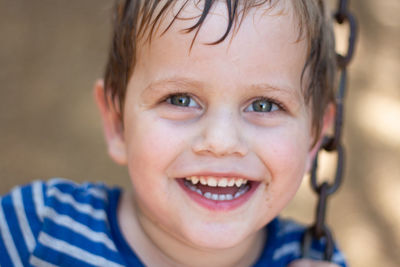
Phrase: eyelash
(168, 100)
(280, 106)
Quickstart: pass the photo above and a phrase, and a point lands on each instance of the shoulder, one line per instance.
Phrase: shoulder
(284, 244)
(21, 218)
(44, 219)
(67, 197)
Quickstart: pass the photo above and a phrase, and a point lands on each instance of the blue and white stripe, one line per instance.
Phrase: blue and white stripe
(56, 223)
(23, 220)
(8, 241)
(81, 254)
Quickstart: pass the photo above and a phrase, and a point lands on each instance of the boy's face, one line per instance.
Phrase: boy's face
(232, 110)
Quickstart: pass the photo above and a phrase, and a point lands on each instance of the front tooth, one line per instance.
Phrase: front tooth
(207, 195)
(239, 182)
(231, 182)
(212, 182)
(221, 197)
(203, 181)
(214, 196)
(228, 197)
(192, 187)
(195, 180)
(223, 182)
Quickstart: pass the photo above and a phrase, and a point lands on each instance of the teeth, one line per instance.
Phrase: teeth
(192, 187)
(213, 182)
(223, 182)
(239, 182)
(241, 191)
(218, 197)
(203, 181)
(207, 195)
(223, 197)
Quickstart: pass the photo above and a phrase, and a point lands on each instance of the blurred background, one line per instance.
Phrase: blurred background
(51, 52)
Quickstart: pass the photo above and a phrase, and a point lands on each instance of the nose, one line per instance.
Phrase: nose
(220, 136)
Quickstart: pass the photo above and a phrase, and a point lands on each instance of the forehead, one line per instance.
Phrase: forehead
(263, 45)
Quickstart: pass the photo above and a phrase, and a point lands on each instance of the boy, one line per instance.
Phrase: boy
(217, 108)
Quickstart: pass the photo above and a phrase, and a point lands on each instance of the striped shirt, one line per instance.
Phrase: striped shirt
(61, 223)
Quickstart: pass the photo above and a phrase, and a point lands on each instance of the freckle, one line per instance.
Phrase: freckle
(266, 187)
(268, 191)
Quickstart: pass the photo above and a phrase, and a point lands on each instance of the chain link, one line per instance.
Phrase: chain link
(319, 230)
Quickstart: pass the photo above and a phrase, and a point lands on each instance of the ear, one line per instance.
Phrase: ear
(112, 124)
(327, 123)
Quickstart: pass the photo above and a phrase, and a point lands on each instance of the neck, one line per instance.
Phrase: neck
(156, 247)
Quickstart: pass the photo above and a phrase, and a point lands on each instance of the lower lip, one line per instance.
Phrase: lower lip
(216, 205)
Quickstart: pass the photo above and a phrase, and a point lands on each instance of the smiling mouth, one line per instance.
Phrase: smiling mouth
(218, 189)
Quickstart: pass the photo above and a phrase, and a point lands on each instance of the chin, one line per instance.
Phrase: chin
(217, 235)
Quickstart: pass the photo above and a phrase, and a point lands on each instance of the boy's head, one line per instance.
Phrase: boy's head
(218, 120)
(136, 22)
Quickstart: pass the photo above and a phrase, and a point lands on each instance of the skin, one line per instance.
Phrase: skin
(218, 132)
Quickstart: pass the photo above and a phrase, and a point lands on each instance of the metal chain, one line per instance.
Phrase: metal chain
(319, 230)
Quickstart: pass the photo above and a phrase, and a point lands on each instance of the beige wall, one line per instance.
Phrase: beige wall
(52, 51)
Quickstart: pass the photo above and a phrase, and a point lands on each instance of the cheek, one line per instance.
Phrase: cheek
(153, 143)
(289, 156)
(152, 146)
(284, 152)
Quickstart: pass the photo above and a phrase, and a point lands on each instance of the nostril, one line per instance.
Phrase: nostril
(220, 147)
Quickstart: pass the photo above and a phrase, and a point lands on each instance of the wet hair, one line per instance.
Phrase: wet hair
(139, 20)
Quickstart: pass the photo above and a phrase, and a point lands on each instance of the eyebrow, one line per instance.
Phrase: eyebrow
(289, 91)
(179, 84)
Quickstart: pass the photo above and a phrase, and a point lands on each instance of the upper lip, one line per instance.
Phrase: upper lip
(248, 168)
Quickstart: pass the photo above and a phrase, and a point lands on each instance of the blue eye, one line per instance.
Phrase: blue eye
(262, 105)
(181, 100)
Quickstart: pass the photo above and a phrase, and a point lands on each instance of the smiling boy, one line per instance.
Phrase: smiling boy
(217, 125)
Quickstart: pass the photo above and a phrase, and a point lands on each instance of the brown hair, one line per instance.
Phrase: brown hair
(135, 19)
